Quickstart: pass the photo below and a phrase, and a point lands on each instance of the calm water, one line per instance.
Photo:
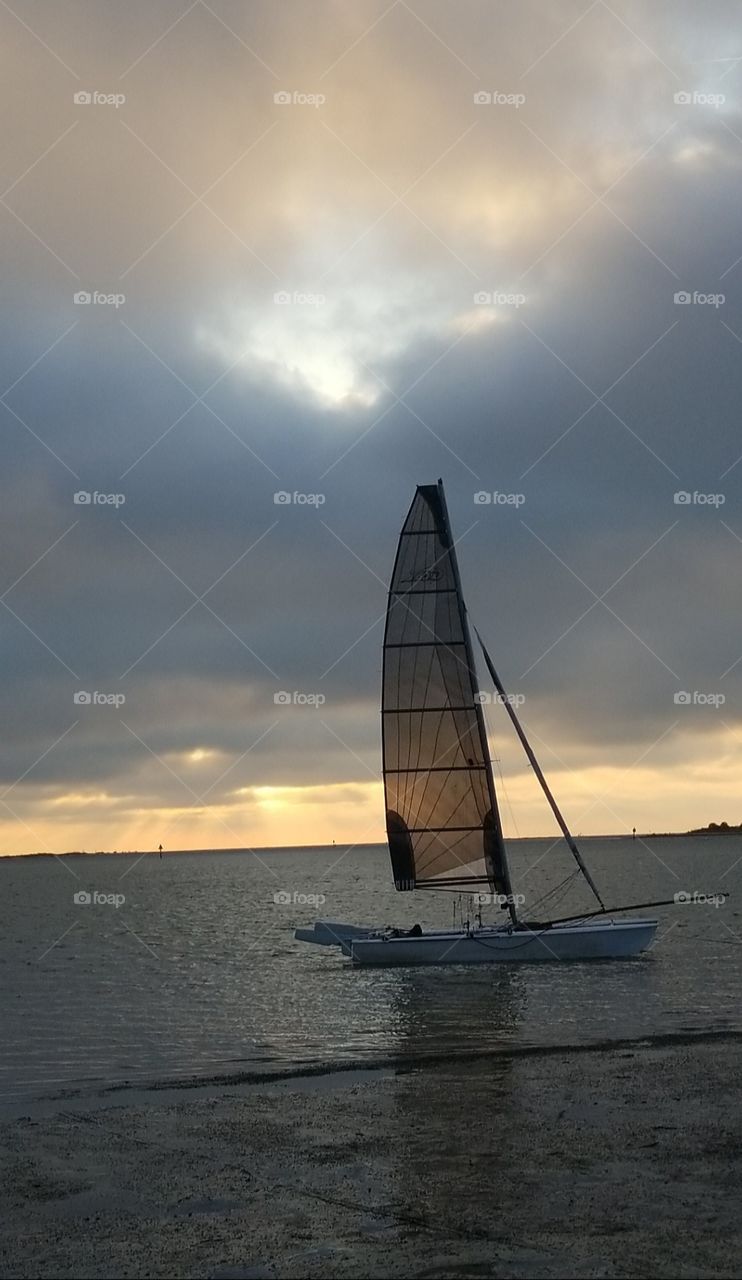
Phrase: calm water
(197, 972)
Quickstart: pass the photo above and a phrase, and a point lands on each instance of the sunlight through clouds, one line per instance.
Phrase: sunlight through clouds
(349, 254)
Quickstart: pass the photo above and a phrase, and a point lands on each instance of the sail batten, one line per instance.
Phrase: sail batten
(443, 822)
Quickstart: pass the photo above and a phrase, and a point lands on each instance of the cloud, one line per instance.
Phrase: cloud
(380, 214)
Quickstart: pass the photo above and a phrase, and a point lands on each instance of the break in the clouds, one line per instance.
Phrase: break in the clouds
(328, 252)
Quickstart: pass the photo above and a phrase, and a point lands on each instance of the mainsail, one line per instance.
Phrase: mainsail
(443, 822)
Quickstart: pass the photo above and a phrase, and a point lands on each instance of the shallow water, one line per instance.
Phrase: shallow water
(197, 971)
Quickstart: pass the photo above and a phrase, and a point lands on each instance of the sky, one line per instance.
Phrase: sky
(267, 267)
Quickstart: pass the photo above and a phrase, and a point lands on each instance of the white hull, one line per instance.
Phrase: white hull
(606, 939)
(332, 933)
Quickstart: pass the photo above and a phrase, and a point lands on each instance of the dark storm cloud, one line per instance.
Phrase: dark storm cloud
(300, 397)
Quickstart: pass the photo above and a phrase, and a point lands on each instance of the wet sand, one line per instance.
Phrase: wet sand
(617, 1161)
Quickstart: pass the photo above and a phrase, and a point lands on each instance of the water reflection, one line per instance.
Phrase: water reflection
(435, 1120)
(453, 1009)
(199, 972)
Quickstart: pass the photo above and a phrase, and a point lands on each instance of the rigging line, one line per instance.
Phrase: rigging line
(630, 906)
(551, 893)
(537, 770)
(555, 897)
(501, 776)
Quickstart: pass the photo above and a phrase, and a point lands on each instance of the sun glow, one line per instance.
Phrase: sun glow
(600, 799)
(328, 344)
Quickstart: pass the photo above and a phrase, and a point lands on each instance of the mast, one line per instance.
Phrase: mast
(537, 770)
(495, 852)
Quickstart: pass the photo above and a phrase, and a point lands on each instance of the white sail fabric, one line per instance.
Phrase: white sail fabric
(442, 819)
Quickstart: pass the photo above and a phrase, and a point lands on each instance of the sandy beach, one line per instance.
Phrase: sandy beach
(613, 1161)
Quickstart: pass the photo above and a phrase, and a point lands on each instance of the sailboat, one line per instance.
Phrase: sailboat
(442, 816)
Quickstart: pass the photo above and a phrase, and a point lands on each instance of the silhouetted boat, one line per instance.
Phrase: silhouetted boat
(442, 817)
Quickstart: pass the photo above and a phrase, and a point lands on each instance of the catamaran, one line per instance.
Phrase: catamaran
(442, 817)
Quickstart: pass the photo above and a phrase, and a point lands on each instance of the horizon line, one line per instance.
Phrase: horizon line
(371, 844)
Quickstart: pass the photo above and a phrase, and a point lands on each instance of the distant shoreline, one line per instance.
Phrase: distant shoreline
(712, 830)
